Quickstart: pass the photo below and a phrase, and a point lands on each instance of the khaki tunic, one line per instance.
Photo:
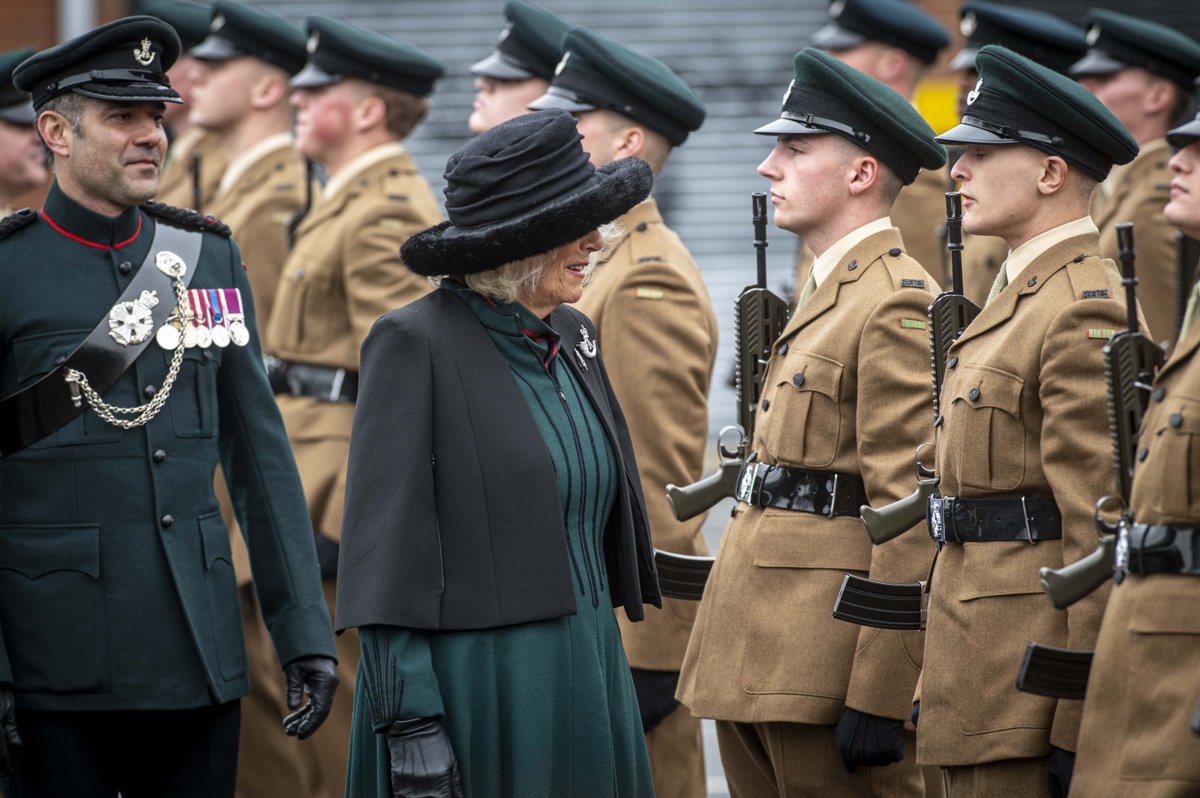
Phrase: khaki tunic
(920, 214)
(1144, 688)
(982, 258)
(1138, 193)
(258, 207)
(344, 272)
(847, 390)
(175, 185)
(658, 333)
(1037, 426)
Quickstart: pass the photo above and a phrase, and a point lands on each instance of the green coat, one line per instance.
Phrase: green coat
(116, 584)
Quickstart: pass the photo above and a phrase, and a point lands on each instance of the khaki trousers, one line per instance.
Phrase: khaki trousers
(791, 760)
(676, 750)
(1008, 778)
(271, 764)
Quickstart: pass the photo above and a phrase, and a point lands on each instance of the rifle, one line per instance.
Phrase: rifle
(949, 315)
(194, 169)
(759, 318)
(1130, 361)
(1187, 254)
(293, 222)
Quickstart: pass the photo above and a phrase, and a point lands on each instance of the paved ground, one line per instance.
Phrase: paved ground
(714, 525)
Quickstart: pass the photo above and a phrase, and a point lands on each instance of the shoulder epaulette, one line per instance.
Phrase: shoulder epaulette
(15, 221)
(187, 219)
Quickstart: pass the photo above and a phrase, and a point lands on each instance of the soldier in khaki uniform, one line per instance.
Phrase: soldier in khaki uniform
(1022, 454)
(240, 95)
(1142, 71)
(22, 164)
(194, 152)
(1143, 691)
(521, 67)
(1038, 36)
(357, 98)
(894, 42)
(658, 334)
(806, 704)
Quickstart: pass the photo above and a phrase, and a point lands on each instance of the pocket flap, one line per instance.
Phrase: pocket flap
(1004, 568)
(1181, 416)
(983, 386)
(812, 373)
(788, 539)
(1165, 604)
(214, 536)
(34, 551)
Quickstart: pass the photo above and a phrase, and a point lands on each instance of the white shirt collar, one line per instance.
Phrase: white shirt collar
(243, 163)
(1025, 254)
(824, 265)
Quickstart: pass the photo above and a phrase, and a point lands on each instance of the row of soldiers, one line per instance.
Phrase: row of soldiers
(803, 702)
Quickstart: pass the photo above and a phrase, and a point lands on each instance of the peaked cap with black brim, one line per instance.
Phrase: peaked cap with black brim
(15, 105)
(828, 96)
(1017, 101)
(523, 188)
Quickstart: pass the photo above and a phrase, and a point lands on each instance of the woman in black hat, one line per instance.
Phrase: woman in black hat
(493, 511)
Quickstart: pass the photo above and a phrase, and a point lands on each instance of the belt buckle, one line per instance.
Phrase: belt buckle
(1025, 516)
(335, 386)
(833, 495)
(937, 522)
(750, 484)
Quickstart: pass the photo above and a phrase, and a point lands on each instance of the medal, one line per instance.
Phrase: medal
(220, 317)
(238, 333)
(189, 335)
(203, 337)
(168, 337)
(133, 322)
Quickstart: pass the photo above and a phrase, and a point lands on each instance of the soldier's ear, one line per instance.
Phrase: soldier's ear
(631, 142)
(369, 113)
(56, 132)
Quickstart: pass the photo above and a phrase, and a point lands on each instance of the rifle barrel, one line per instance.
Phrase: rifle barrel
(1128, 276)
(954, 241)
(758, 203)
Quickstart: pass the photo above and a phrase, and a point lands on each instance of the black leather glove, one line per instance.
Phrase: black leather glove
(423, 764)
(9, 738)
(1062, 763)
(916, 713)
(319, 675)
(869, 740)
(655, 695)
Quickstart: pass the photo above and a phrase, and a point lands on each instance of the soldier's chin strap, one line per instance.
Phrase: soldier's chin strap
(110, 349)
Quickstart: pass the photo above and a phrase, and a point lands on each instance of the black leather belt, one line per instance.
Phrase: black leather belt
(822, 492)
(1160, 549)
(320, 382)
(1027, 518)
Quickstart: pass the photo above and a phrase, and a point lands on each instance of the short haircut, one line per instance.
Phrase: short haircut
(70, 106)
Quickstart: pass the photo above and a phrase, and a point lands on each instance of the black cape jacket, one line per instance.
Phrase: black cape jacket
(453, 519)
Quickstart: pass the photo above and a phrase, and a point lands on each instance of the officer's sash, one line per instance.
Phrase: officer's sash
(39, 409)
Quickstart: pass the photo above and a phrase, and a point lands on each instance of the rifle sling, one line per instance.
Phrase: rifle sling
(46, 405)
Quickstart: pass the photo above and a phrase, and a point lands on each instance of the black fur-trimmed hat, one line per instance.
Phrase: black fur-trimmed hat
(123, 61)
(523, 188)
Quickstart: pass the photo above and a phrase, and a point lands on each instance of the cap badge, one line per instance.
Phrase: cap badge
(787, 94)
(312, 41)
(973, 94)
(562, 64)
(585, 349)
(218, 22)
(507, 30)
(969, 24)
(836, 8)
(1093, 35)
(144, 55)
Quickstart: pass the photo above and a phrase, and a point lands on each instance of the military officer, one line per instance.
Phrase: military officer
(806, 704)
(240, 94)
(195, 160)
(1142, 690)
(22, 164)
(658, 333)
(520, 68)
(1021, 455)
(357, 98)
(1038, 36)
(894, 42)
(1142, 71)
(119, 618)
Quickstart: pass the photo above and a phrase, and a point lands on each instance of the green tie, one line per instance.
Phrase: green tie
(1192, 314)
(809, 287)
(1001, 282)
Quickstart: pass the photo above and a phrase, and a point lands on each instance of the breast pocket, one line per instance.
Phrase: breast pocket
(193, 399)
(803, 419)
(1172, 466)
(987, 432)
(52, 608)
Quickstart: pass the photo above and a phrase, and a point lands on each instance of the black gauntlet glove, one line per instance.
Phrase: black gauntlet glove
(655, 695)
(423, 764)
(869, 740)
(1062, 763)
(9, 738)
(319, 676)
